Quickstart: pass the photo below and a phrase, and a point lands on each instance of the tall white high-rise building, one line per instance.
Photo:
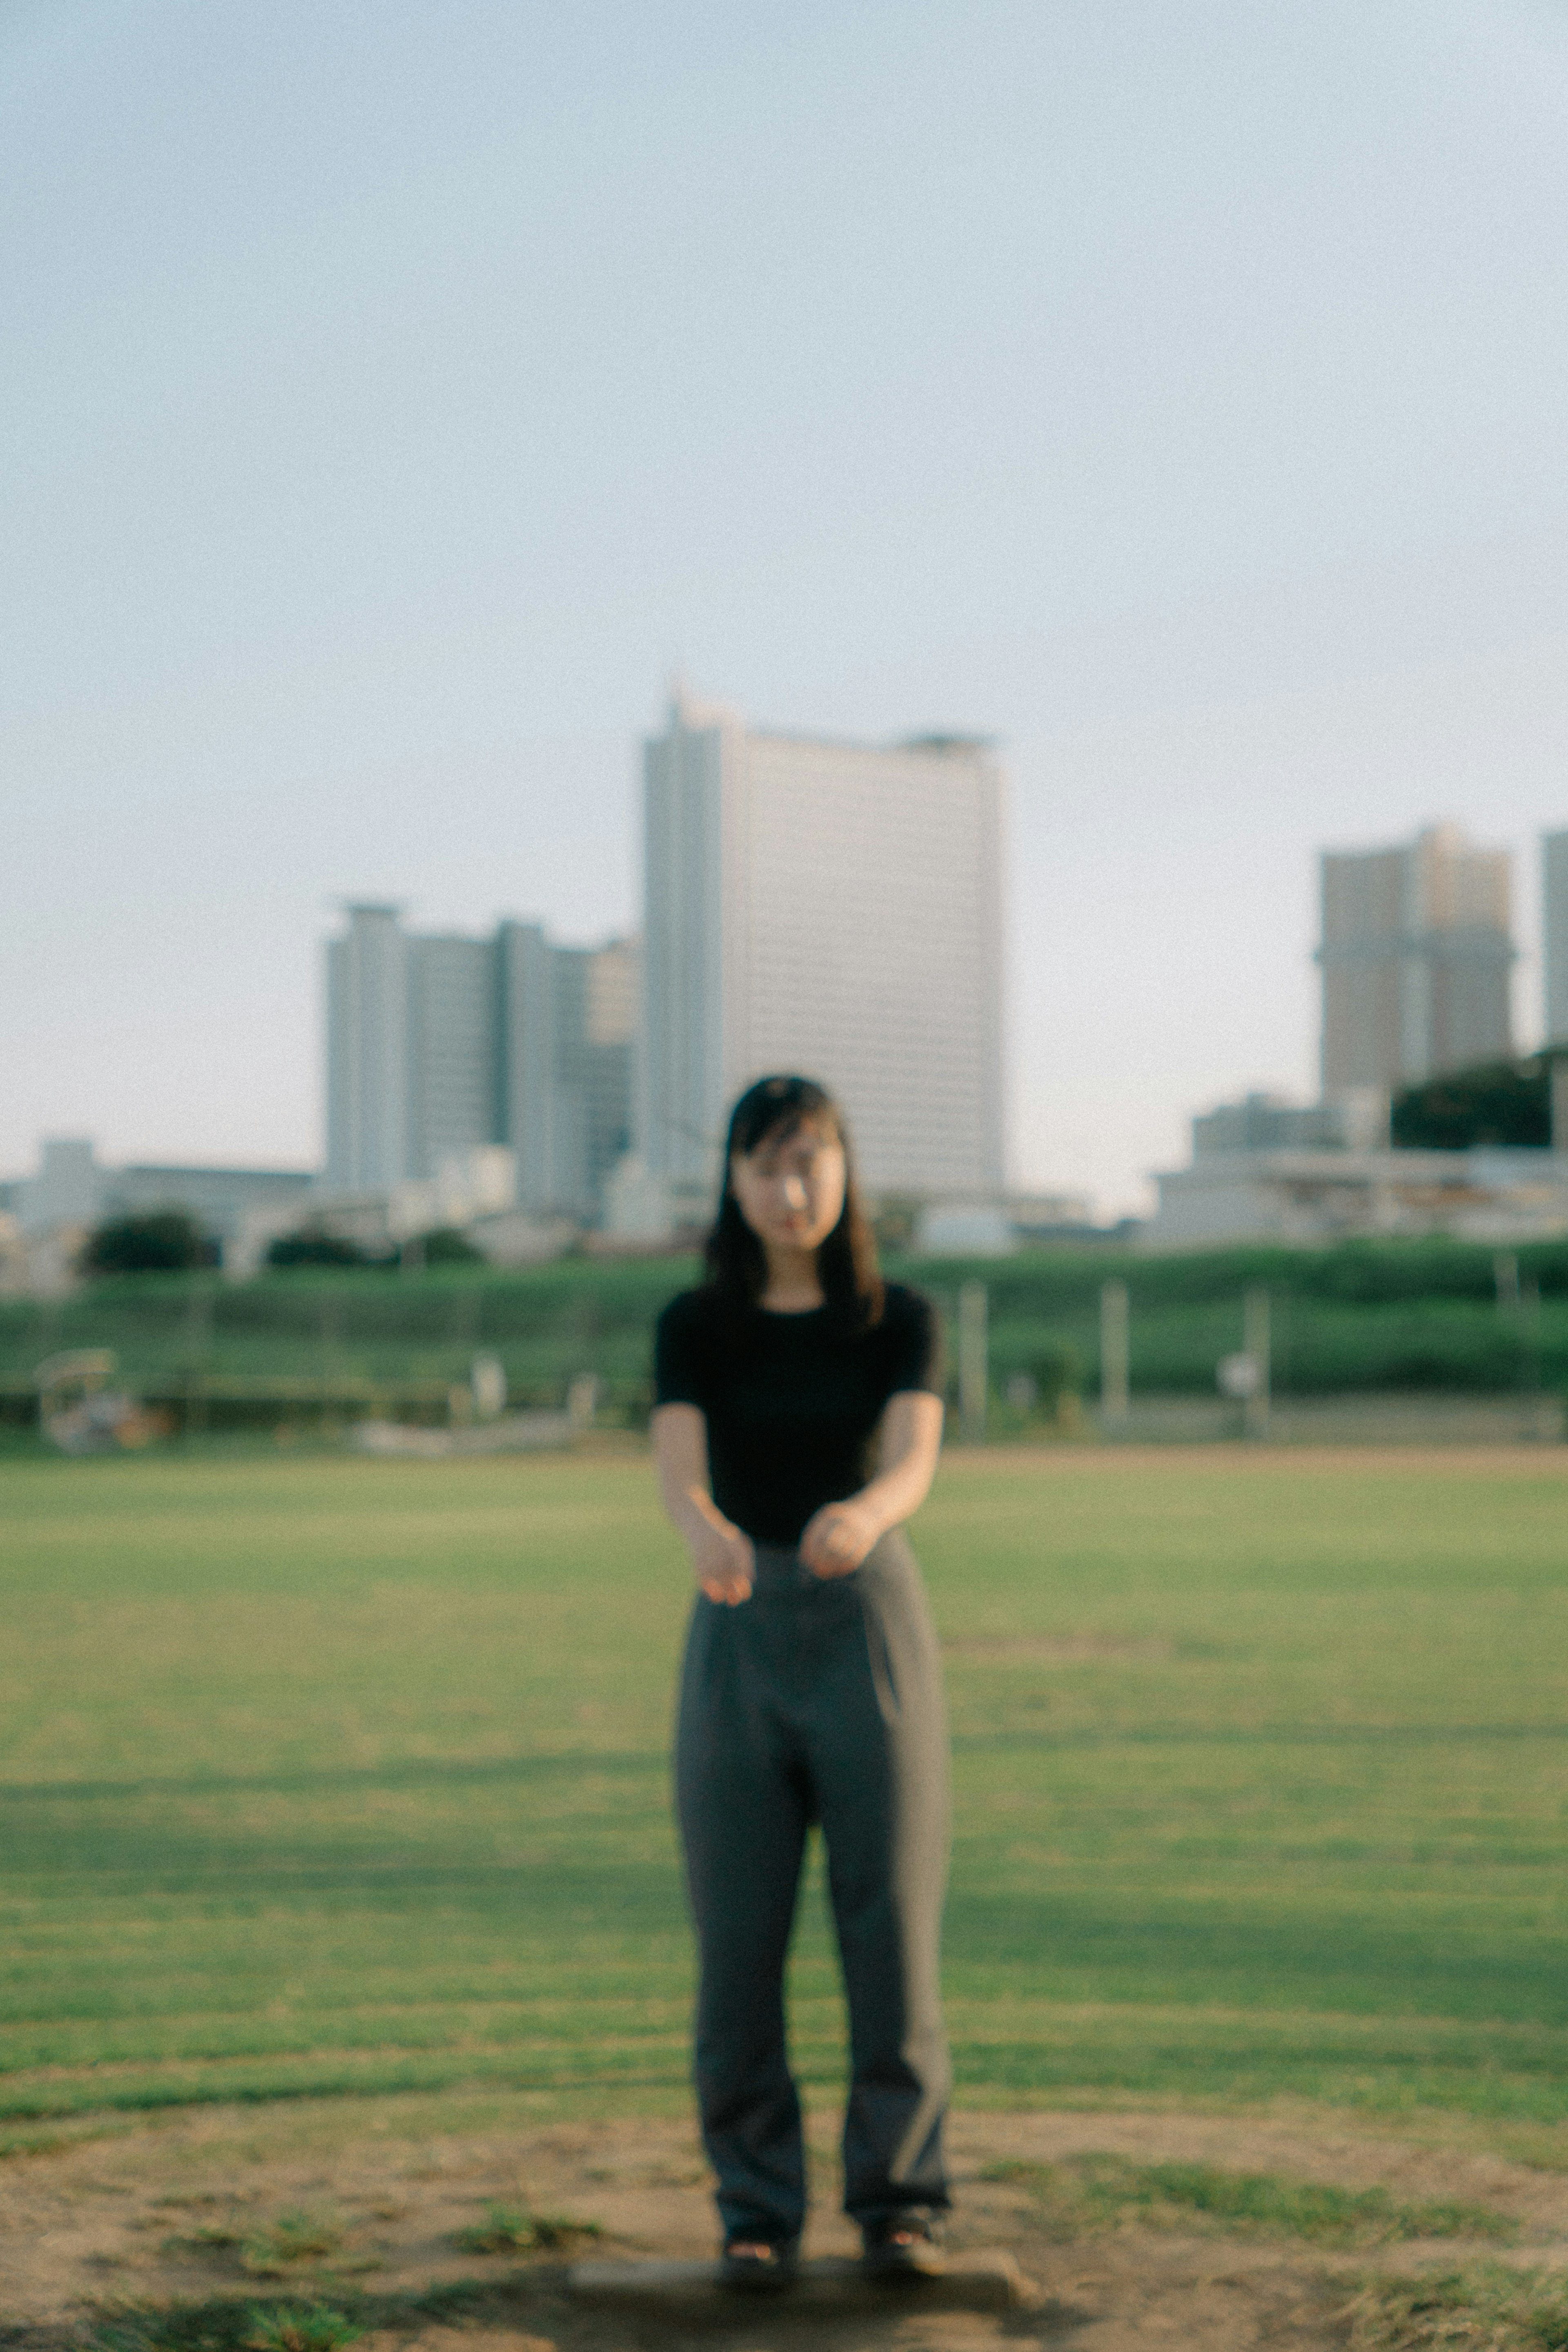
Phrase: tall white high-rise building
(367, 1053)
(1554, 935)
(832, 909)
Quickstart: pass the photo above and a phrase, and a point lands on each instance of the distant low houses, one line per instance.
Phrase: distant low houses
(1263, 1170)
(45, 1218)
(1327, 1195)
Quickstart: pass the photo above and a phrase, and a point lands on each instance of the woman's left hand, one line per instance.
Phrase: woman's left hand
(838, 1538)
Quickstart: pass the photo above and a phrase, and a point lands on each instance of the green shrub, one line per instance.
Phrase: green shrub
(293, 2238)
(509, 2230)
(162, 1241)
(1057, 1371)
(286, 2328)
(1506, 1103)
(310, 1247)
(448, 1246)
(1481, 2308)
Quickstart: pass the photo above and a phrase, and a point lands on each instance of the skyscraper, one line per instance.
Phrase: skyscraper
(829, 907)
(438, 1043)
(367, 1053)
(1415, 954)
(1554, 935)
(597, 997)
(569, 1027)
(526, 1061)
(453, 1024)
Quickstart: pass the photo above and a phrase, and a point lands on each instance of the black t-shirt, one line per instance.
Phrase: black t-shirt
(791, 1403)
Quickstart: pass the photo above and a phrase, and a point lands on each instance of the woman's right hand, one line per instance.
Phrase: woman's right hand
(724, 1562)
(721, 1555)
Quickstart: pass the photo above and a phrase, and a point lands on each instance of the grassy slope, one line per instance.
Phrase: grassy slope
(344, 1775)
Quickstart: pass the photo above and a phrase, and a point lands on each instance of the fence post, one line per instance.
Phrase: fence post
(974, 1370)
(199, 1315)
(1115, 1351)
(1530, 1333)
(1255, 1343)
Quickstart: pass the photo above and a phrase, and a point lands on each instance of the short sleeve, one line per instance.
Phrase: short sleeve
(678, 1355)
(916, 1356)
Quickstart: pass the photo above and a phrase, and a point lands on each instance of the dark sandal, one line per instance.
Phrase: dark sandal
(758, 2265)
(902, 2247)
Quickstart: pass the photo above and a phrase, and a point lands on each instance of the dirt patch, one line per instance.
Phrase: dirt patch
(213, 2209)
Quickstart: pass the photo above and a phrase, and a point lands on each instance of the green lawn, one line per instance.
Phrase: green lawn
(327, 1775)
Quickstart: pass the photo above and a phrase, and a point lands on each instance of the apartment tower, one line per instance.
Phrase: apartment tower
(829, 907)
(1416, 955)
(367, 1051)
(438, 1043)
(1554, 936)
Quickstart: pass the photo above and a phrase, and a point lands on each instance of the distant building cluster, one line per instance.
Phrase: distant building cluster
(809, 905)
(1415, 952)
(836, 907)
(439, 1045)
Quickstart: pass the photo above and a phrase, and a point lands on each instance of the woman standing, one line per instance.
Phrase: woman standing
(798, 1420)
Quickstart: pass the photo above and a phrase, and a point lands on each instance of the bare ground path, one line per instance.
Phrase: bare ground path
(200, 2208)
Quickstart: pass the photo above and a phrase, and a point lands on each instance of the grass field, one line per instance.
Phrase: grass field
(329, 1776)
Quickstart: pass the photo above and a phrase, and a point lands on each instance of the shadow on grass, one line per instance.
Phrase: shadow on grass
(1148, 1950)
(1275, 1734)
(413, 1772)
(456, 1773)
(300, 2322)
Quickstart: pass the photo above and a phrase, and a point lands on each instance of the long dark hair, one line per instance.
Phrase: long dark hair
(846, 1261)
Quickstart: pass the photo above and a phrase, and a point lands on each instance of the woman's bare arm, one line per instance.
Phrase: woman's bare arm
(839, 1537)
(721, 1554)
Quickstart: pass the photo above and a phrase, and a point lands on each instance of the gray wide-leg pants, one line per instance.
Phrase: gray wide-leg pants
(817, 1701)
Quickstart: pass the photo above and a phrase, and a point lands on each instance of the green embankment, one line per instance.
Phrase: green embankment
(332, 1776)
(1393, 1316)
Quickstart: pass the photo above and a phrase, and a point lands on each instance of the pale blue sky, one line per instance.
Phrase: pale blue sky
(391, 396)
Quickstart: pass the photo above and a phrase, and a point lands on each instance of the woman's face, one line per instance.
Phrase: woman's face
(790, 1190)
